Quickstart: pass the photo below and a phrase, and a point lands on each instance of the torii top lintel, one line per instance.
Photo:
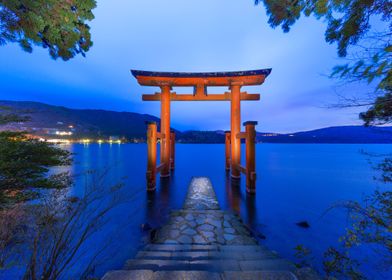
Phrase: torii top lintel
(200, 82)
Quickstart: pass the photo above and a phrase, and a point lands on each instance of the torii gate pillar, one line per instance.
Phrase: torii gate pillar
(235, 129)
(165, 131)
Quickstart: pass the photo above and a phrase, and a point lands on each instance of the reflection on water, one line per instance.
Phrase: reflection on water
(233, 192)
(158, 203)
(235, 197)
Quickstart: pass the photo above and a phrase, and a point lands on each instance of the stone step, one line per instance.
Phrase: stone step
(210, 265)
(196, 248)
(179, 247)
(258, 275)
(242, 248)
(198, 275)
(205, 255)
(186, 275)
(168, 265)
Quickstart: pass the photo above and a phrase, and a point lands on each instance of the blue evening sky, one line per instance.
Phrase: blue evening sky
(192, 35)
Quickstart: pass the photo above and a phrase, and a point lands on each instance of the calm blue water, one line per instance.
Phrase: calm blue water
(296, 182)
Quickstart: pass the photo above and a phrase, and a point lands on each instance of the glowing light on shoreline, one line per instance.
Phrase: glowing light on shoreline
(83, 141)
(59, 141)
(64, 133)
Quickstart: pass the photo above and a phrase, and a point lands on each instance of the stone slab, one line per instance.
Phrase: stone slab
(143, 264)
(180, 247)
(206, 228)
(186, 275)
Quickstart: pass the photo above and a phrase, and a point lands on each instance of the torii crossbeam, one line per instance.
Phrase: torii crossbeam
(200, 81)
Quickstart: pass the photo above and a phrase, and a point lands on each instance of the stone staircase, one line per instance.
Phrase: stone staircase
(187, 261)
(202, 242)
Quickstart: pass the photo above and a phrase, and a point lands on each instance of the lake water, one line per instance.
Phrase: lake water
(296, 182)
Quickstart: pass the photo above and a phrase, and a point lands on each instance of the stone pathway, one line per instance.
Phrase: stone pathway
(203, 242)
(201, 221)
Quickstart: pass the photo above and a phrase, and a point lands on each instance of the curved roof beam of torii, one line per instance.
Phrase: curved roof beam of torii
(243, 78)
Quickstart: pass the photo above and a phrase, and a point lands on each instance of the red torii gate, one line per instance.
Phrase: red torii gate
(200, 82)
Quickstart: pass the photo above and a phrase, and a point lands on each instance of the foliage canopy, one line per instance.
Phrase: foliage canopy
(349, 24)
(24, 162)
(59, 25)
(348, 21)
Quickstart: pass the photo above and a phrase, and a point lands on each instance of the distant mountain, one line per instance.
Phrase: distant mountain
(194, 136)
(337, 134)
(46, 120)
(61, 122)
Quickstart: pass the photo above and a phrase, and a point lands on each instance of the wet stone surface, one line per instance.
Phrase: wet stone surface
(201, 221)
(201, 195)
